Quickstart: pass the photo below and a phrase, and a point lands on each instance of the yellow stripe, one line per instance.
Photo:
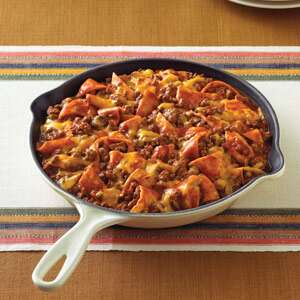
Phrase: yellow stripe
(38, 219)
(72, 71)
(264, 71)
(97, 60)
(55, 71)
(249, 219)
(220, 219)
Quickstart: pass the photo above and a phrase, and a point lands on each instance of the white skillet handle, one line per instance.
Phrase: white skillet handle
(73, 245)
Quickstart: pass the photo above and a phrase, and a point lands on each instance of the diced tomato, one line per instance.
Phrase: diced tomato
(187, 98)
(164, 152)
(50, 146)
(121, 86)
(99, 101)
(191, 193)
(77, 107)
(255, 136)
(90, 180)
(210, 165)
(238, 147)
(90, 86)
(115, 157)
(113, 114)
(132, 123)
(147, 198)
(148, 103)
(215, 85)
(235, 105)
(190, 149)
(165, 127)
(208, 189)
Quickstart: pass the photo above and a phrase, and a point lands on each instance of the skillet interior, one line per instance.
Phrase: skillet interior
(39, 107)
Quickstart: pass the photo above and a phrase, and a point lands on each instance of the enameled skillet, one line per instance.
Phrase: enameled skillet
(94, 218)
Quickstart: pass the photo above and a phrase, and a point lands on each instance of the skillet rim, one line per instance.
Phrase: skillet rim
(256, 96)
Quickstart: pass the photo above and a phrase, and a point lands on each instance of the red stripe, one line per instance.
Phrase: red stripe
(192, 241)
(169, 241)
(149, 53)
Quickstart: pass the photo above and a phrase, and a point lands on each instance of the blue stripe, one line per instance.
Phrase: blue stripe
(56, 211)
(222, 226)
(91, 65)
(237, 226)
(66, 76)
(243, 226)
(262, 212)
(36, 225)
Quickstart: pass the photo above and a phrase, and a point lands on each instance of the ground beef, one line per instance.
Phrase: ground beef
(138, 96)
(123, 175)
(212, 110)
(166, 139)
(203, 147)
(119, 99)
(175, 199)
(131, 203)
(103, 154)
(153, 127)
(240, 149)
(90, 154)
(53, 111)
(182, 75)
(107, 176)
(147, 151)
(199, 86)
(181, 168)
(171, 115)
(237, 126)
(122, 147)
(175, 116)
(168, 94)
(141, 145)
(193, 119)
(81, 126)
(136, 194)
(217, 140)
(165, 175)
(52, 134)
(193, 171)
(99, 122)
(204, 102)
(129, 109)
(130, 193)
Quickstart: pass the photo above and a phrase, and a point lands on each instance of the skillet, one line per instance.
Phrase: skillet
(94, 218)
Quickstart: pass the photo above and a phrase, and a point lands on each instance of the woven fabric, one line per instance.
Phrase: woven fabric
(32, 216)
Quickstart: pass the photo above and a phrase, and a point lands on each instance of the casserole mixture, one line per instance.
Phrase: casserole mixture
(154, 141)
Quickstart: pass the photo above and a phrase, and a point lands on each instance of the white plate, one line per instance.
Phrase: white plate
(271, 4)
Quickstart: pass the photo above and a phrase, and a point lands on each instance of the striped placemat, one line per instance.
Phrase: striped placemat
(239, 229)
(244, 227)
(254, 65)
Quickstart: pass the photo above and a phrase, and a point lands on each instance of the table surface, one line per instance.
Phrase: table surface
(153, 275)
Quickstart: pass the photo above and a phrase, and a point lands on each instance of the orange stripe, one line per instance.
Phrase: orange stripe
(242, 219)
(38, 219)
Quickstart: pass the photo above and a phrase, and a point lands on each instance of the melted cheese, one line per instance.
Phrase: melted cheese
(153, 168)
(191, 82)
(131, 161)
(168, 78)
(56, 124)
(147, 135)
(68, 182)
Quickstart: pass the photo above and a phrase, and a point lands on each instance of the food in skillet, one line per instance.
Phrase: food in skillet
(154, 141)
